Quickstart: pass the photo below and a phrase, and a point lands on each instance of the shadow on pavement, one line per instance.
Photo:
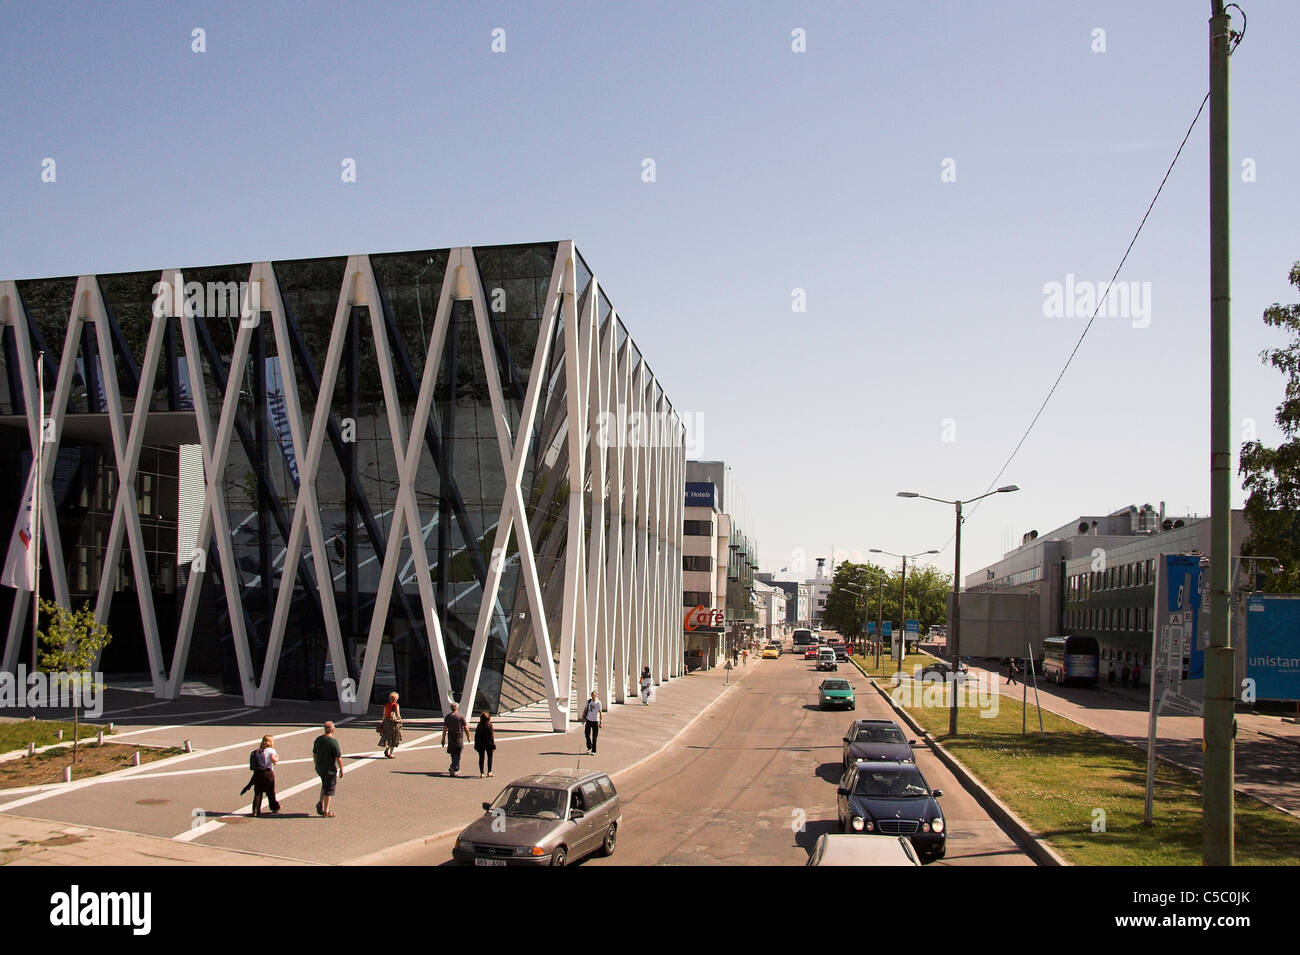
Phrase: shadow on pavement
(831, 772)
(814, 828)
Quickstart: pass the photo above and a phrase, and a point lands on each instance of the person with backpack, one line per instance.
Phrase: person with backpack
(262, 763)
(485, 743)
(591, 722)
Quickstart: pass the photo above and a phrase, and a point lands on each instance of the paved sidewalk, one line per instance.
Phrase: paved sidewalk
(187, 809)
(39, 842)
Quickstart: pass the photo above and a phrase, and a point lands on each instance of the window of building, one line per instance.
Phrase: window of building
(690, 562)
(697, 528)
(697, 598)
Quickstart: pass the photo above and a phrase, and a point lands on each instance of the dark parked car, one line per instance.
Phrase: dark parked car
(941, 668)
(892, 799)
(878, 741)
(550, 819)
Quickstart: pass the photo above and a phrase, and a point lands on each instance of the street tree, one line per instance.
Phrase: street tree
(71, 643)
(1271, 476)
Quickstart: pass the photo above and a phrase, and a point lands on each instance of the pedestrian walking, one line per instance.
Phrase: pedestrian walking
(485, 742)
(390, 727)
(1012, 669)
(1110, 672)
(591, 721)
(1123, 677)
(1137, 675)
(744, 658)
(454, 731)
(646, 683)
(262, 763)
(327, 754)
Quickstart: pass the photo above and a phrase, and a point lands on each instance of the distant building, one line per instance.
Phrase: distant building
(712, 496)
(1095, 577)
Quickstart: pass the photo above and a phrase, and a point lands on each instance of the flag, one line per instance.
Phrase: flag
(20, 565)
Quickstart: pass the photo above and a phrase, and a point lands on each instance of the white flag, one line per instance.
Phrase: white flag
(20, 565)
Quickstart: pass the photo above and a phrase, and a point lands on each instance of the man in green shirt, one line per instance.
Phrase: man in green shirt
(328, 757)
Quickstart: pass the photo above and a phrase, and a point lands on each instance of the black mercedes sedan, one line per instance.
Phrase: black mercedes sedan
(892, 799)
(876, 740)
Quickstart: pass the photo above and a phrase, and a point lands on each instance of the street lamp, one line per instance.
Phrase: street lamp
(955, 638)
(902, 613)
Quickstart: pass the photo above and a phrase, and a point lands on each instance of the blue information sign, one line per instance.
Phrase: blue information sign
(1273, 646)
(912, 626)
(888, 628)
(871, 626)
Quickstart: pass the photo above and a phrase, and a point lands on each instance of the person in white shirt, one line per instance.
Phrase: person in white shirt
(591, 722)
(646, 683)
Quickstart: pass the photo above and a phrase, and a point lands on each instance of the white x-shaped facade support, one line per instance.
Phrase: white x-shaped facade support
(621, 596)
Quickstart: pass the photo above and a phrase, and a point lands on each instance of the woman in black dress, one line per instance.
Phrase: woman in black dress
(485, 743)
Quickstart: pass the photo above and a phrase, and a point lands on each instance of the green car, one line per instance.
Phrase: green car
(836, 693)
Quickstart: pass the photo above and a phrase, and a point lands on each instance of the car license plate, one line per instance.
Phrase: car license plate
(489, 861)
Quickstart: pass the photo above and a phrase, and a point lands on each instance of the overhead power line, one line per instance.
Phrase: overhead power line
(1100, 303)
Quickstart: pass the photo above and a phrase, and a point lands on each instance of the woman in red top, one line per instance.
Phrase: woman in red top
(390, 728)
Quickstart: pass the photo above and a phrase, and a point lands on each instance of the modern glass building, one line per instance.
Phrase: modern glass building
(448, 472)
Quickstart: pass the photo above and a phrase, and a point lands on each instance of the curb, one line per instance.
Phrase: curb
(1017, 828)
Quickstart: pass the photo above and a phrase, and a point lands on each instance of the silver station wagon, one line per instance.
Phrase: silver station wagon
(550, 819)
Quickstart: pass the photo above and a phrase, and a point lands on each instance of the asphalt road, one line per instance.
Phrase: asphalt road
(752, 782)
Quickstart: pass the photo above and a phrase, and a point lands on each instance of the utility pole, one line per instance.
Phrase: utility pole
(902, 622)
(1219, 726)
(954, 638)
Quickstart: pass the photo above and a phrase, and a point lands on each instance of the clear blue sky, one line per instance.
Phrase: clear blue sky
(776, 170)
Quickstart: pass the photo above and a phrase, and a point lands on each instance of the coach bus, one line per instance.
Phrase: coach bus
(1070, 660)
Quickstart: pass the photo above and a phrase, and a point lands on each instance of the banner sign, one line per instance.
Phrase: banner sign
(701, 494)
(1179, 636)
(701, 619)
(1273, 645)
(278, 415)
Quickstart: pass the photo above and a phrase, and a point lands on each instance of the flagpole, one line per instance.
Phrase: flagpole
(36, 504)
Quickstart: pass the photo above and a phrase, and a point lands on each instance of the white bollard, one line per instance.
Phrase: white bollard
(111, 731)
(101, 737)
(67, 774)
(60, 736)
(31, 748)
(189, 747)
(137, 757)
